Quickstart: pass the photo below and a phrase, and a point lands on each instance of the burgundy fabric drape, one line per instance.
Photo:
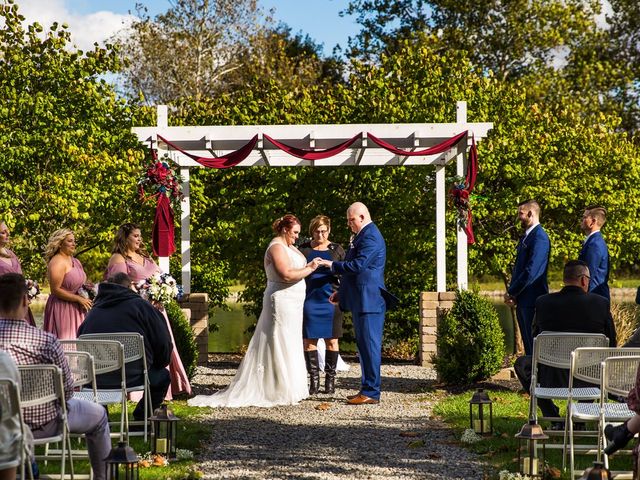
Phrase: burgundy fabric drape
(163, 231)
(229, 160)
(308, 154)
(462, 195)
(439, 148)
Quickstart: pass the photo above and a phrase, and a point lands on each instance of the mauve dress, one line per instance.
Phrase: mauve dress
(15, 268)
(179, 380)
(63, 318)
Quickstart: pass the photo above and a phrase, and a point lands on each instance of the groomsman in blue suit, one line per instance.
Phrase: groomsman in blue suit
(362, 292)
(529, 275)
(594, 251)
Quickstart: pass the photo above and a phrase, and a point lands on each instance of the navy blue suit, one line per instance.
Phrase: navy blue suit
(595, 254)
(362, 292)
(529, 280)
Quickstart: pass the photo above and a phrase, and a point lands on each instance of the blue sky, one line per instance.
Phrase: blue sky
(95, 20)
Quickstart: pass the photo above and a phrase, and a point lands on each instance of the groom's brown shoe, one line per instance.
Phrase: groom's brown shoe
(363, 400)
(351, 397)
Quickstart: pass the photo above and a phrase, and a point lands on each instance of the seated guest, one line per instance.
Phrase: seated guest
(28, 345)
(572, 309)
(117, 309)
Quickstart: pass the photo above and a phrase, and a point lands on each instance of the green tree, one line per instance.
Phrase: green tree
(67, 157)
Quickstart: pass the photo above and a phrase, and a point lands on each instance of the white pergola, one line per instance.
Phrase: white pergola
(216, 141)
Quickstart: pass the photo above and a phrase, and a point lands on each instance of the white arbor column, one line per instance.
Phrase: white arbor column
(185, 231)
(441, 244)
(162, 122)
(462, 251)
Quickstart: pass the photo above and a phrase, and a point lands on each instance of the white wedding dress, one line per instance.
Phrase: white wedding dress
(273, 370)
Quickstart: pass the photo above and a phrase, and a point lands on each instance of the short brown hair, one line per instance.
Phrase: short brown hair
(574, 269)
(317, 222)
(12, 290)
(532, 204)
(599, 214)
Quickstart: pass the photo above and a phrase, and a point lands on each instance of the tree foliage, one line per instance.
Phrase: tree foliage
(67, 157)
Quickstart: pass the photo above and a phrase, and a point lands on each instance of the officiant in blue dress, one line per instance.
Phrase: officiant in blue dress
(321, 318)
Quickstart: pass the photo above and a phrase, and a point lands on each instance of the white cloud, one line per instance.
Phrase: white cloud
(606, 10)
(85, 29)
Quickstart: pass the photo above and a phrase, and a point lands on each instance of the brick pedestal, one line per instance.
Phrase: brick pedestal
(432, 305)
(198, 305)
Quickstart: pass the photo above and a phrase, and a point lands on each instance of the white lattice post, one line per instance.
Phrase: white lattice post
(462, 251)
(185, 231)
(441, 245)
(162, 116)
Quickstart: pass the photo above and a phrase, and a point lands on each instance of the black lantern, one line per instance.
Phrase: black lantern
(530, 438)
(597, 472)
(481, 421)
(122, 463)
(164, 427)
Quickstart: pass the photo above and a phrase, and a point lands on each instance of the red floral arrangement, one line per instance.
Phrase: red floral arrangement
(161, 178)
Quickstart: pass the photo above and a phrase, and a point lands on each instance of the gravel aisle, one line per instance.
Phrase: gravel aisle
(324, 438)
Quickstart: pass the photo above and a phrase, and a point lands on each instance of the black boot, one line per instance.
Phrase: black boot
(330, 364)
(311, 360)
(618, 437)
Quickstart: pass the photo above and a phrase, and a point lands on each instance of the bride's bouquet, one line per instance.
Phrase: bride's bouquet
(33, 289)
(161, 288)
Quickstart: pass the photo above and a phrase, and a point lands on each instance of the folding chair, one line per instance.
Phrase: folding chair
(134, 352)
(84, 374)
(554, 350)
(108, 356)
(42, 385)
(10, 409)
(586, 365)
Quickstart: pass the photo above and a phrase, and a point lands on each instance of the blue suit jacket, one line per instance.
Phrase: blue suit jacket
(595, 254)
(529, 275)
(362, 287)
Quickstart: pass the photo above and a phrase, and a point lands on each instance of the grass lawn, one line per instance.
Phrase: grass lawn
(510, 412)
(191, 432)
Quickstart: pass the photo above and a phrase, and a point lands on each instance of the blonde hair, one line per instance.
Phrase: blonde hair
(55, 240)
(4, 254)
(317, 222)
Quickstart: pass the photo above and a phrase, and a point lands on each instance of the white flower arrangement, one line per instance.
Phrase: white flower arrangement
(160, 288)
(507, 475)
(469, 436)
(33, 289)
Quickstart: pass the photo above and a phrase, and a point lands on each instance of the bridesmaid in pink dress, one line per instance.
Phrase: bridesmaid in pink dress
(65, 309)
(9, 263)
(130, 257)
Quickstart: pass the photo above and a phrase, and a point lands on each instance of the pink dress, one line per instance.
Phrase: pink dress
(179, 380)
(15, 267)
(63, 318)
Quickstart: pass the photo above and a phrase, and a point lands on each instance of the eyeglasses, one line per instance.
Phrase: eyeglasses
(586, 276)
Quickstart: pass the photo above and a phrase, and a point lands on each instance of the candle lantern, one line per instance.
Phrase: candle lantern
(530, 438)
(164, 428)
(122, 463)
(597, 472)
(481, 413)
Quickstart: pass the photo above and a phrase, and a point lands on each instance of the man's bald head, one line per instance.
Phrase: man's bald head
(357, 216)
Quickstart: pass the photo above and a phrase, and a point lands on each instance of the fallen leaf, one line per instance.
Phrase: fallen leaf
(505, 435)
(416, 444)
(144, 463)
(434, 455)
(409, 434)
(323, 406)
(553, 472)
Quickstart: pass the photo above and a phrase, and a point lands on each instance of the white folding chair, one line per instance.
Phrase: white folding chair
(554, 350)
(108, 357)
(134, 352)
(10, 409)
(43, 385)
(586, 365)
(84, 374)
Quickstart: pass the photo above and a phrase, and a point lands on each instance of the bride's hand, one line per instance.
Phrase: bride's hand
(315, 263)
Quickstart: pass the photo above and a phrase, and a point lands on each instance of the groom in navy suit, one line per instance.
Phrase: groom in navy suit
(594, 251)
(529, 275)
(362, 292)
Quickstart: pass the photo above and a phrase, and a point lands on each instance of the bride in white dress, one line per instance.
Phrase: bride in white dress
(273, 371)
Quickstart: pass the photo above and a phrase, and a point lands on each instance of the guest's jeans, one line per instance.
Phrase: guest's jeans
(91, 419)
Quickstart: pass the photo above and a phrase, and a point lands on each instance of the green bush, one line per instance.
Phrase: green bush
(470, 340)
(183, 336)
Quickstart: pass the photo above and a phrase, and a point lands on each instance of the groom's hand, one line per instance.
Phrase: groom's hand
(333, 298)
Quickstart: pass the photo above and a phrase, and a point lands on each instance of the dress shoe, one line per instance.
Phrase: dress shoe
(363, 400)
(618, 437)
(351, 397)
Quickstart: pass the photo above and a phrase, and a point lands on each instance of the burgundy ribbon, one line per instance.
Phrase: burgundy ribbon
(308, 154)
(439, 148)
(230, 160)
(163, 231)
(461, 195)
